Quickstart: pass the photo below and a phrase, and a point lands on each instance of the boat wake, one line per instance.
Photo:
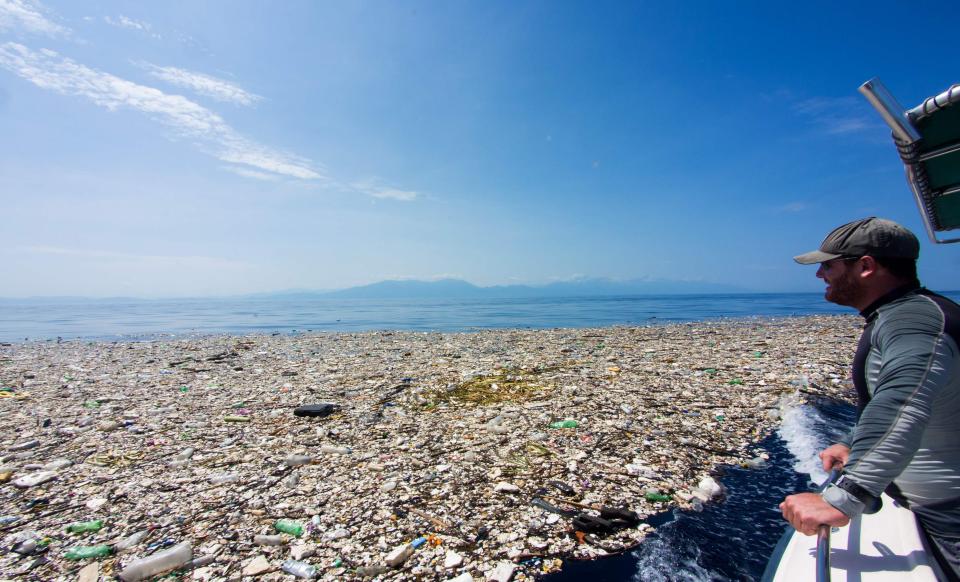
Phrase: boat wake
(807, 429)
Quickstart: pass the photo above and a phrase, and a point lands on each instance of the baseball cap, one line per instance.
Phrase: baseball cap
(877, 237)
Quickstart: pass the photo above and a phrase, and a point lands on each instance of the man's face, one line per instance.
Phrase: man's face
(844, 286)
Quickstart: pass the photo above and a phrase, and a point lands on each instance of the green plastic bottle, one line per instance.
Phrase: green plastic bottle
(564, 424)
(289, 526)
(84, 552)
(85, 526)
(657, 497)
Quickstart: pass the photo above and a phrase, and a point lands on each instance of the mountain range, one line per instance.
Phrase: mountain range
(459, 289)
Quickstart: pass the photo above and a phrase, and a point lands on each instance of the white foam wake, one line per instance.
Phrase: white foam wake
(805, 431)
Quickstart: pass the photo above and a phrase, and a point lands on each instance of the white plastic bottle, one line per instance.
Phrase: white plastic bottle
(146, 568)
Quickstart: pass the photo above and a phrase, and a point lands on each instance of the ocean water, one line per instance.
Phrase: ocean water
(147, 319)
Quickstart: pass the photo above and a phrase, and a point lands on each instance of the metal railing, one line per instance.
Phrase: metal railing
(823, 537)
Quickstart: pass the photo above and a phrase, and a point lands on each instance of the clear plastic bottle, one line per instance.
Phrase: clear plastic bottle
(131, 541)
(224, 478)
(297, 460)
(158, 563)
(299, 569)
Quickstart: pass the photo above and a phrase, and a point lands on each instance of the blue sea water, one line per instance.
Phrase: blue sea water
(40, 319)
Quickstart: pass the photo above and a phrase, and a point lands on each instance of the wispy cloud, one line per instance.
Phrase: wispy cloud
(793, 207)
(375, 189)
(28, 16)
(125, 22)
(837, 115)
(248, 173)
(98, 255)
(49, 70)
(203, 84)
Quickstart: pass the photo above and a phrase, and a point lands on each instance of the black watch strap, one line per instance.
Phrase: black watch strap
(871, 503)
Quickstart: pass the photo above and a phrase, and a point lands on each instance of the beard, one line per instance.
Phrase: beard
(844, 290)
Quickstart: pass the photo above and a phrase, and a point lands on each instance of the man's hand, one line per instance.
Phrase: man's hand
(834, 456)
(808, 511)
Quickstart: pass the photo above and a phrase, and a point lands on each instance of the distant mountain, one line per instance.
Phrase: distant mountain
(443, 288)
(457, 289)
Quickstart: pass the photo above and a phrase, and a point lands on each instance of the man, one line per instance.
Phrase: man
(907, 374)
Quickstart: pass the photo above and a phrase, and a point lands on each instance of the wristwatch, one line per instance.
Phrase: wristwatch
(871, 503)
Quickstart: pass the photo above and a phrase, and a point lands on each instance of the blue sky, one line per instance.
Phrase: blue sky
(188, 148)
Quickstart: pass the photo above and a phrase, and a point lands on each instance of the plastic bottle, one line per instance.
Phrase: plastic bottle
(564, 424)
(131, 541)
(265, 540)
(297, 460)
(224, 478)
(24, 446)
(158, 563)
(84, 552)
(85, 526)
(299, 569)
(34, 479)
(399, 555)
(657, 497)
(202, 561)
(289, 526)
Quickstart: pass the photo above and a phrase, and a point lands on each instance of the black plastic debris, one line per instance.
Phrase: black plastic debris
(316, 410)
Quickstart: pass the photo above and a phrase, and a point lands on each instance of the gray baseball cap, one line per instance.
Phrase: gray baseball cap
(877, 237)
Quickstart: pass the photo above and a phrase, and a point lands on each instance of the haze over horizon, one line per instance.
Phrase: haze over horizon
(227, 148)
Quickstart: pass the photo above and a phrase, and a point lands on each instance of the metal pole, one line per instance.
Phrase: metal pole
(891, 111)
(823, 538)
(823, 554)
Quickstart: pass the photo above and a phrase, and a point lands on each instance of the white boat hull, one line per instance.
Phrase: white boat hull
(887, 545)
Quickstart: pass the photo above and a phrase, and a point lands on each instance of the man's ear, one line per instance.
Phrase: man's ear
(869, 267)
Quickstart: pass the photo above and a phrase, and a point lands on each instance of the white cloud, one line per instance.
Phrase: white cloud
(27, 15)
(124, 22)
(393, 193)
(793, 207)
(96, 255)
(837, 115)
(375, 189)
(247, 173)
(47, 69)
(203, 84)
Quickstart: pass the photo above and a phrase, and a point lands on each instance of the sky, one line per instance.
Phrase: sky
(182, 148)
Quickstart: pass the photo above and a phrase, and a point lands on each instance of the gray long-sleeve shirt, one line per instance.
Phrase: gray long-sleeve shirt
(907, 437)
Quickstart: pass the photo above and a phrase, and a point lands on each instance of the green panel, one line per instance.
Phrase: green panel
(948, 211)
(943, 171)
(941, 128)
